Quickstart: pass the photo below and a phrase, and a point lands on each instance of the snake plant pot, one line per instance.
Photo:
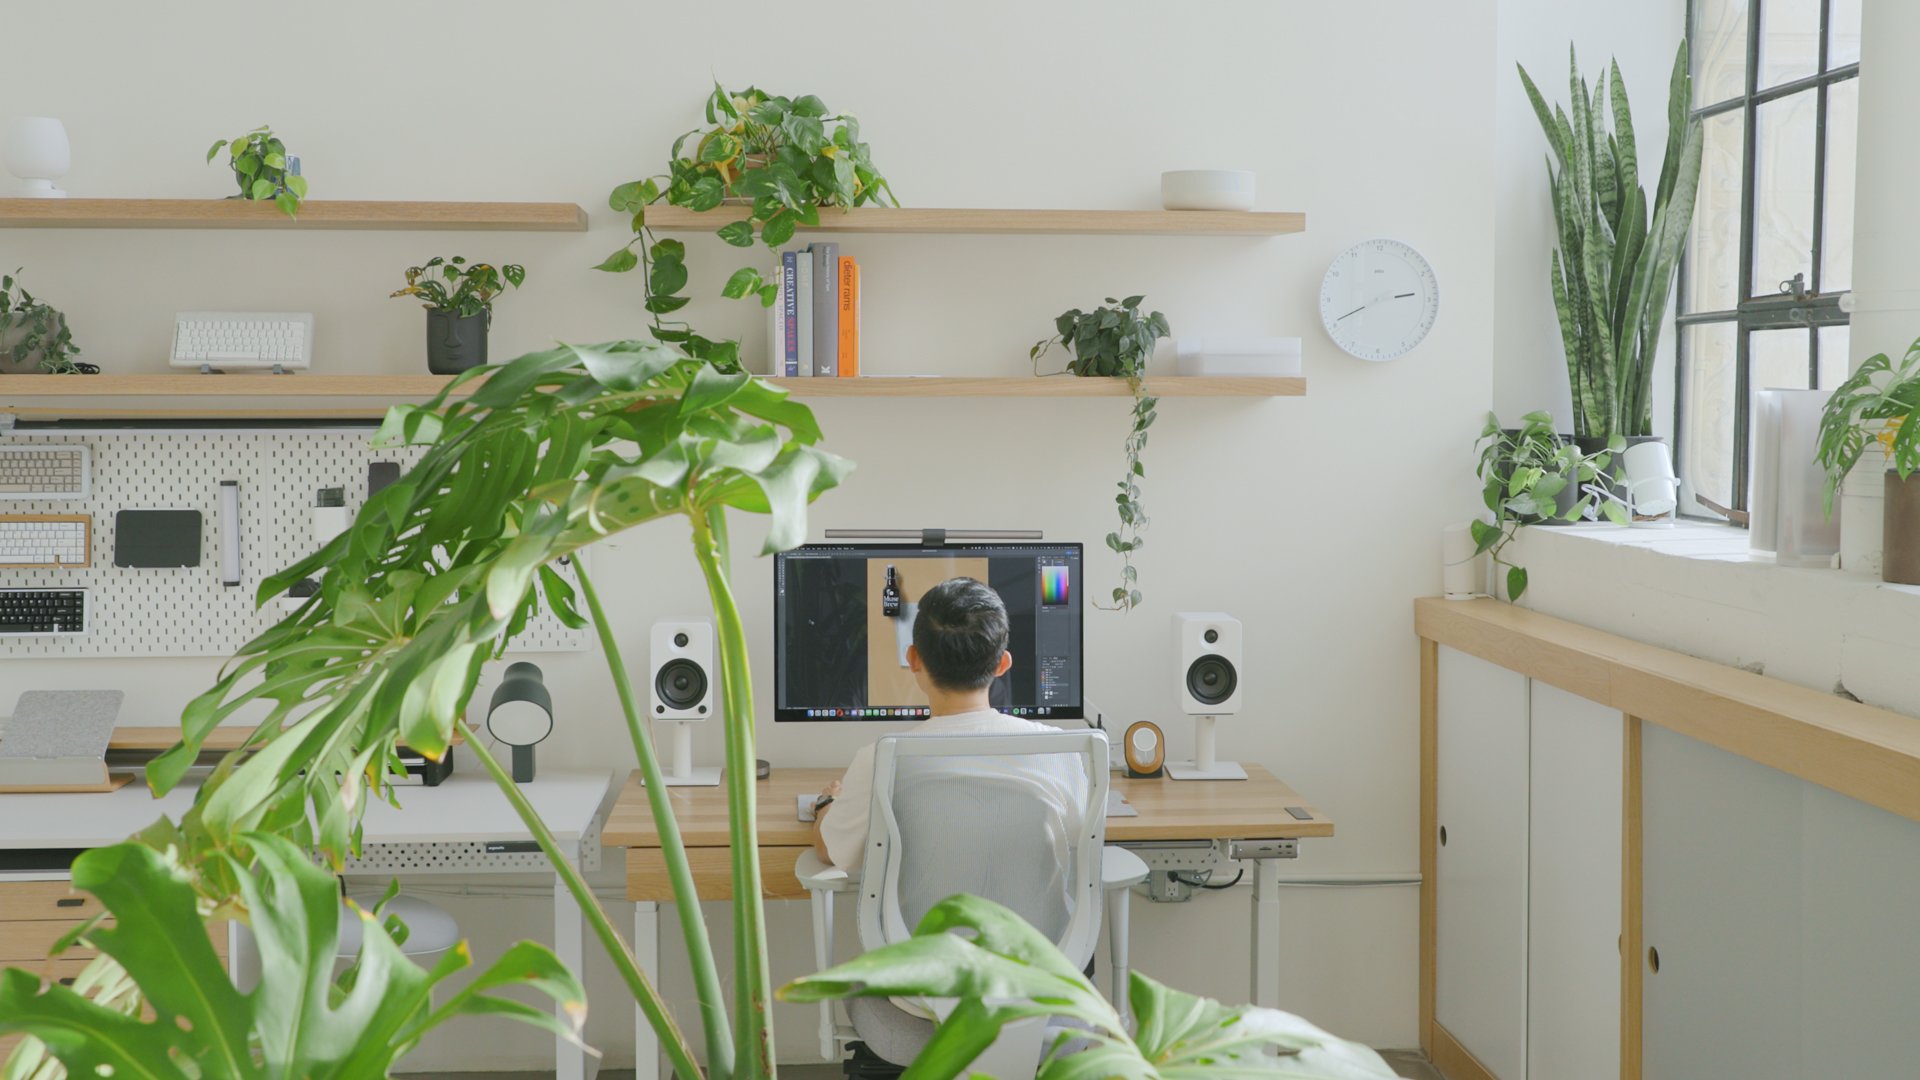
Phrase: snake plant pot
(456, 342)
(1900, 548)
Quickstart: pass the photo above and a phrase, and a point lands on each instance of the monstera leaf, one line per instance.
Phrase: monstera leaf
(1004, 970)
(300, 1022)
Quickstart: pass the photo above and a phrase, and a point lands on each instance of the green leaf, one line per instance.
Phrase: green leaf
(633, 196)
(619, 262)
(1516, 582)
(737, 233)
(298, 185)
(779, 230)
(744, 280)
(261, 190)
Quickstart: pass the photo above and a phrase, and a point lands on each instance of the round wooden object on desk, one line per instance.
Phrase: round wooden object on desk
(1145, 748)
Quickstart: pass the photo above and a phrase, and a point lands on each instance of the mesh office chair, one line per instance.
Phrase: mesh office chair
(975, 814)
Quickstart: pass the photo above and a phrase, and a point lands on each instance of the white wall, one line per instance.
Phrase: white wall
(1313, 519)
(1529, 361)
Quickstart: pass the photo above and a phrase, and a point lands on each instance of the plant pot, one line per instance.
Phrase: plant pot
(1614, 475)
(1900, 547)
(456, 343)
(14, 362)
(1562, 502)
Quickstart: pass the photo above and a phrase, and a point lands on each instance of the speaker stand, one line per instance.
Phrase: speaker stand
(1204, 765)
(683, 773)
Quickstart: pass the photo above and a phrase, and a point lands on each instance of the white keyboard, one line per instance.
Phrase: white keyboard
(43, 542)
(45, 472)
(243, 339)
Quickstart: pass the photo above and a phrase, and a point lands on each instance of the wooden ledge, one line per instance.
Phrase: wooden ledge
(1863, 752)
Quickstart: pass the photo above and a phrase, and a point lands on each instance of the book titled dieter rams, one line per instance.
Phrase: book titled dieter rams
(813, 327)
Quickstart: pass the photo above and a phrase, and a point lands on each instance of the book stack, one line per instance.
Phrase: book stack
(814, 326)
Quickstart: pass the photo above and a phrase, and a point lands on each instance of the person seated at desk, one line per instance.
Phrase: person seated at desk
(959, 648)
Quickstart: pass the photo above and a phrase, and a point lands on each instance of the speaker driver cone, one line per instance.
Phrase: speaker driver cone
(681, 684)
(1211, 679)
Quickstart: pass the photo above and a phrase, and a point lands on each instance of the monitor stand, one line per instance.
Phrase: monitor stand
(683, 773)
(1204, 766)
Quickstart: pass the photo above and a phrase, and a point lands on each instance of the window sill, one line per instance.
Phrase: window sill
(1695, 588)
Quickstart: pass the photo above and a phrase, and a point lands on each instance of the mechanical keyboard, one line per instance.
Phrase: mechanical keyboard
(45, 541)
(37, 612)
(45, 472)
(212, 340)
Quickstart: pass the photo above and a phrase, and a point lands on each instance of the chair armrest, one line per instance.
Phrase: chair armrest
(1120, 868)
(817, 876)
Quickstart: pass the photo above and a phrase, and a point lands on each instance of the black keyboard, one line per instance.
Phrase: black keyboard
(43, 611)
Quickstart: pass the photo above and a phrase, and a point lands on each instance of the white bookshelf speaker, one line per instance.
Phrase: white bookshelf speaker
(680, 691)
(1207, 646)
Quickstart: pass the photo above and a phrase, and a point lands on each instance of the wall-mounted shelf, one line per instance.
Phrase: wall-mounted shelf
(292, 397)
(914, 219)
(314, 214)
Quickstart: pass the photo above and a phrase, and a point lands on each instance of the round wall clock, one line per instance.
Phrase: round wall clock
(1379, 299)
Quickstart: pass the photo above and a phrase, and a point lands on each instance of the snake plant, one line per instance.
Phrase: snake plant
(1618, 251)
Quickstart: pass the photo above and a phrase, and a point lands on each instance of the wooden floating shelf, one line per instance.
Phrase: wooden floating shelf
(314, 214)
(292, 388)
(913, 219)
(1050, 387)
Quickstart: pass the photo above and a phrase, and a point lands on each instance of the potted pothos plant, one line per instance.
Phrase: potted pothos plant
(1530, 475)
(263, 169)
(782, 159)
(1618, 248)
(459, 298)
(1115, 342)
(1874, 409)
(34, 335)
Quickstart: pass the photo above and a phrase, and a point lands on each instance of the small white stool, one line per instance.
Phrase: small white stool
(430, 930)
(1120, 871)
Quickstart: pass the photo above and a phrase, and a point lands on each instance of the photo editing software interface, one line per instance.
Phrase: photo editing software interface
(843, 618)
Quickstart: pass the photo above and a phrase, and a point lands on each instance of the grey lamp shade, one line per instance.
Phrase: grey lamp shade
(521, 714)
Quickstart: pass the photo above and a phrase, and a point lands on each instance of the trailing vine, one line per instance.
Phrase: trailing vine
(1117, 342)
(783, 159)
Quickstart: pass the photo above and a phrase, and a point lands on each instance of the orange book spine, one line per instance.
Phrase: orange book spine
(849, 318)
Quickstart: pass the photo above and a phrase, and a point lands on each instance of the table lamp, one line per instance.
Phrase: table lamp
(37, 152)
(521, 715)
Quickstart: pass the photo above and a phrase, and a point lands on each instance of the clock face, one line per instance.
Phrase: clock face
(1379, 299)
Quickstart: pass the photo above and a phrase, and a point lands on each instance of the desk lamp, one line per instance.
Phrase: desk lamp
(521, 715)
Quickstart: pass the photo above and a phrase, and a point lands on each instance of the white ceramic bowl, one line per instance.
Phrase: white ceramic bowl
(1207, 189)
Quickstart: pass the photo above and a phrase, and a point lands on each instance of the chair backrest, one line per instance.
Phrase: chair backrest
(1018, 819)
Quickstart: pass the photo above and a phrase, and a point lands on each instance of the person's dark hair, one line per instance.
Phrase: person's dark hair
(961, 631)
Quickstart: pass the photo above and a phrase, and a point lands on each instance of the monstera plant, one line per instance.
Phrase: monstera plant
(1002, 970)
(302, 1021)
(438, 573)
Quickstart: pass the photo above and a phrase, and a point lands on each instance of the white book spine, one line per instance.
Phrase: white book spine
(803, 308)
(777, 328)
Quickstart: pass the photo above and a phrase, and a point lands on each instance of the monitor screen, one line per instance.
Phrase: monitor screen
(843, 618)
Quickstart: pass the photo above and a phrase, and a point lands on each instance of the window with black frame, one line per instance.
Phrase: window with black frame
(1776, 91)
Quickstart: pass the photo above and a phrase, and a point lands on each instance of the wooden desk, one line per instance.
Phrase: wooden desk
(1250, 809)
(1170, 811)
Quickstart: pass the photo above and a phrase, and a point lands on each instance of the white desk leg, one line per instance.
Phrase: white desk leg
(571, 1062)
(1118, 905)
(646, 949)
(1266, 933)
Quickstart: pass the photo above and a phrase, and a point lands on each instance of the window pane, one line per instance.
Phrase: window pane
(1834, 365)
(1843, 33)
(1706, 428)
(1719, 44)
(1789, 40)
(1713, 247)
(1836, 239)
(1783, 192)
(1779, 359)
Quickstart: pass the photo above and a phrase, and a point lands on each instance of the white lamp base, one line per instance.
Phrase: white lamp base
(41, 189)
(1221, 770)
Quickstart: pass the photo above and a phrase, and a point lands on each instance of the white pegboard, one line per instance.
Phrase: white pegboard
(187, 612)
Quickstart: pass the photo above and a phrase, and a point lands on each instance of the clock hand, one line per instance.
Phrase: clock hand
(1402, 296)
(1355, 311)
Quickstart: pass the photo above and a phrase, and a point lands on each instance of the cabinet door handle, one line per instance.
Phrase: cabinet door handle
(70, 901)
(1443, 836)
(1653, 959)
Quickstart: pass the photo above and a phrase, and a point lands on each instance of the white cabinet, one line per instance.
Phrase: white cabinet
(1480, 989)
(1573, 888)
(1722, 900)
